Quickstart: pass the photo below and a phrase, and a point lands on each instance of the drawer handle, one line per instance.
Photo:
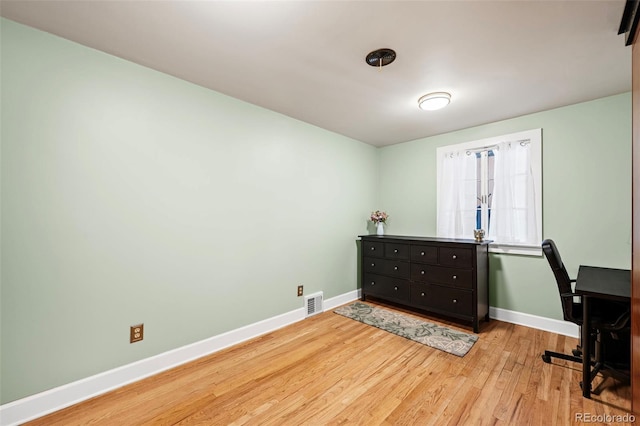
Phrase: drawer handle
(395, 288)
(454, 257)
(421, 253)
(395, 251)
(373, 283)
(455, 277)
(455, 300)
(421, 272)
(395, 268)
(373, 248)
(373, 264)
(422, 294)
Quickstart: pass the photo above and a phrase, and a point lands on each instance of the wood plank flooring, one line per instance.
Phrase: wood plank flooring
(331, 370)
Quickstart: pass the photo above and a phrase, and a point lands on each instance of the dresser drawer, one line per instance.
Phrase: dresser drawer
(395, 268)
(373, 249)
(386, 287)
(373, 264)
(424, 254)
(396, 251)
(456, 257)
(442, 299)
(460, 278)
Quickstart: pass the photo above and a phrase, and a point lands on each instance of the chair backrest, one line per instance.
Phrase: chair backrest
(562, 277)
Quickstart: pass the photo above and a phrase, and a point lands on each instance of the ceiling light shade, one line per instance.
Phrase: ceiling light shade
(434, 101)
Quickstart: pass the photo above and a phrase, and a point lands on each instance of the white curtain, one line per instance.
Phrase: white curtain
(457, 195)
(513, 212)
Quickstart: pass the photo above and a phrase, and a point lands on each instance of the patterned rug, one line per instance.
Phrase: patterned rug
(439, 337)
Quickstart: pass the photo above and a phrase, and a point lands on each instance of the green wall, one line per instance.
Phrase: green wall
(131, 196)
(586, 155)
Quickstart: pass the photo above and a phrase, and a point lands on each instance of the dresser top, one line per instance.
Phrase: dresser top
(409, 238)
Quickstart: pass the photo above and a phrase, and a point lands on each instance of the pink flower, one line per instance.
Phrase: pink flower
(378, 216)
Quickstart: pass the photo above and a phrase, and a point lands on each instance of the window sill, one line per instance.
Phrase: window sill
(513, 249)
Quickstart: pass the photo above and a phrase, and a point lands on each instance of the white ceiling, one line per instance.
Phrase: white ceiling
(306, 59)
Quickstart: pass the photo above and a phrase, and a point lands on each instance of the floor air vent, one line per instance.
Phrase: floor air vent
(313, 304)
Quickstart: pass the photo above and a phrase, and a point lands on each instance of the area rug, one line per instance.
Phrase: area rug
(437, 336)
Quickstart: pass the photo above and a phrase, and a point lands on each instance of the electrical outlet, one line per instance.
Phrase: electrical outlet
(136, 333)
(300, 290)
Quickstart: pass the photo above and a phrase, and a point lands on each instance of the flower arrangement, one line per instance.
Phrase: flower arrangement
(379, 217)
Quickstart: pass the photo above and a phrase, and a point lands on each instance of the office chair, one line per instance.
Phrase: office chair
(571, 310)
(607, 316)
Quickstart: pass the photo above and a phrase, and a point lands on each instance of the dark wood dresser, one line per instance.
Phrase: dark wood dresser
(439, 275)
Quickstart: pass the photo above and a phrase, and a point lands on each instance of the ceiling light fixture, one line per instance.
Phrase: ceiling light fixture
(381, 57)
(434, 101)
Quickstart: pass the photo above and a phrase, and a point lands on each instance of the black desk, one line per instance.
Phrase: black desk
(599, 283)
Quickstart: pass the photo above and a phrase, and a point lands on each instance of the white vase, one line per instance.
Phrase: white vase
(380, 230)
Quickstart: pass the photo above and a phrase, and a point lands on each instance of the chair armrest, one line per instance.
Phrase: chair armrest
(565, 295)
(622, 321)
(610, 316)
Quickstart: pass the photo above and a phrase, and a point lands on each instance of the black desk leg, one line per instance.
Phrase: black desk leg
(586, 348)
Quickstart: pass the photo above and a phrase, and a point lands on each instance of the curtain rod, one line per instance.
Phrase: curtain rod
(522, 142)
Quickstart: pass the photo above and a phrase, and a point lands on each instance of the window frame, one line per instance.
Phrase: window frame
(535, 139)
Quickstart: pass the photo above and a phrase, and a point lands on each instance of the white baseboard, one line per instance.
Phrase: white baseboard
(40, 404)
(541, 323)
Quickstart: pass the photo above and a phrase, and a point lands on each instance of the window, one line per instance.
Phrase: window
(484, 197)
(493, 184)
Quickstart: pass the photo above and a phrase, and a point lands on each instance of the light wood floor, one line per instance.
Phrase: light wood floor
(329, 369)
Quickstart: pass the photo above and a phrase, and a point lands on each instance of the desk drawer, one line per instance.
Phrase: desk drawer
(442, 299)
(386, 287)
